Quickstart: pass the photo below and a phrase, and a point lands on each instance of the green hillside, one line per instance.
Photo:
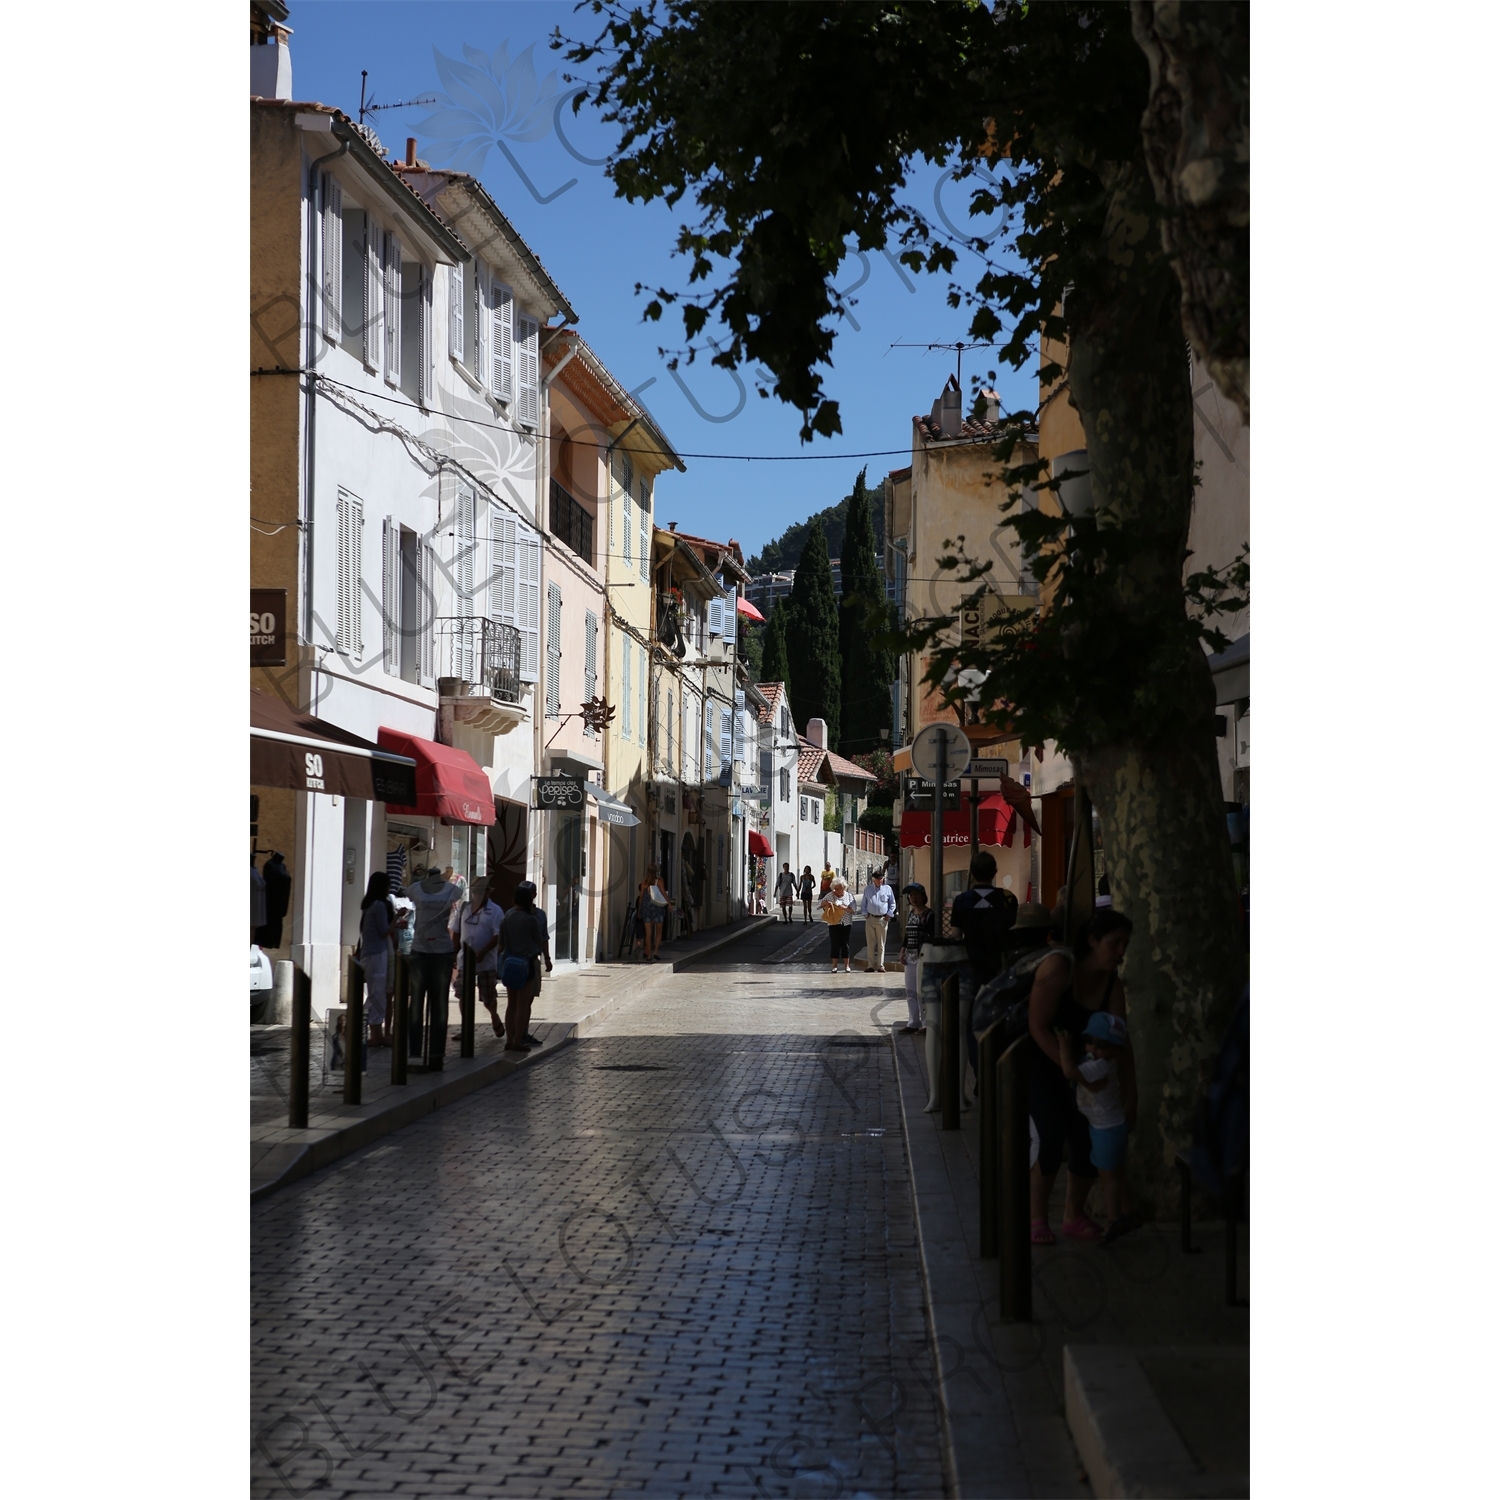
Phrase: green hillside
(782, 555)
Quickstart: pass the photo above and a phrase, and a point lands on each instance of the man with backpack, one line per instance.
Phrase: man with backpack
(984, 914)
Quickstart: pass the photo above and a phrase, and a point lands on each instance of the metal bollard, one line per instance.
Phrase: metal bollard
(1015, 1186)
(400, 1040)
(989, 1143)
(952, 1080)
(301, 1051)
(437, 1021)
(466, 1002)
(354, 1034)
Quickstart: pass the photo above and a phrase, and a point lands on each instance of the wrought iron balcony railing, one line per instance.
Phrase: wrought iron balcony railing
(484, 654)
(571, 524)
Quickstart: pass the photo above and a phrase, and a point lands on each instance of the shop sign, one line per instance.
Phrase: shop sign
(267, 627)
(558, 793)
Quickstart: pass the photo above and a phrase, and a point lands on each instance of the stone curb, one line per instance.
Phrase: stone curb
(336, 1144)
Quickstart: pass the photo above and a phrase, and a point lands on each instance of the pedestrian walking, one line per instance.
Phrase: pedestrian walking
(838, 913)
(919, 930)
(984, 914)
(1100, 1103)
(878, 903)
(825, 880)
(524, 946)
(432, 957)
(805, 888)
(278, 881)
(652, 905)
(476, 924)
(378, 925)
(786, 891)
(1069, 989)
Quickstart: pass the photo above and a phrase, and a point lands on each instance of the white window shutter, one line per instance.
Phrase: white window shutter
(716, 617)
(726, 736)
(392, 310)
(528, 370)
(424, 341)
(502, 373)
(731, 615)
(645, 530)
(333, 255)
(373, 295)
(463, 558)
(642, 674)
(590, 659)
(528, 599)
(627, 537)
(456, 313)
(390, 595)
(503, 567)
(625, 694)
(426, 608)
(349, 639)
(614, 484)
(671, 734)
(554, 651)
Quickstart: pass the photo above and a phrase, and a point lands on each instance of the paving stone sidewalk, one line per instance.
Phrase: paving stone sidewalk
(1003, 1386)
(571, 1001)
(680, 1260)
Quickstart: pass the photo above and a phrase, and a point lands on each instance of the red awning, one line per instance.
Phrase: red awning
(450, 785)
(760, 845)
(750, 612)
(997, 825)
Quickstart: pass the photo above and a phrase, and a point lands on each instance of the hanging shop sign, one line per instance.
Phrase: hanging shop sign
(267, 627)
(558, 793)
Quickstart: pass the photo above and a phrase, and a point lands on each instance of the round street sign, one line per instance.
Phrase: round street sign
(924, 751)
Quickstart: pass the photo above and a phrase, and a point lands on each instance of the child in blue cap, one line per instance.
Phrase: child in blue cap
(1099, 1101)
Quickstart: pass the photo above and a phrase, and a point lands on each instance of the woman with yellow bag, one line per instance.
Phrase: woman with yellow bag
(838, 913)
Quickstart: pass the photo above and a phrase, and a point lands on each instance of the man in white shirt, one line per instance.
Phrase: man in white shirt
(878, 903)
(476, 922)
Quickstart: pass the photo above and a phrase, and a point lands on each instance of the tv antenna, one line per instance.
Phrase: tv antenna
(958, 347)
(373, 108)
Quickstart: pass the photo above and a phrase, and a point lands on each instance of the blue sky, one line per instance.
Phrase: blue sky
(598, 247)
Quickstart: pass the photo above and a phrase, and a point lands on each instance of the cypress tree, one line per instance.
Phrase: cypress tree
(867, 668)
(812, 638)
(773, 648)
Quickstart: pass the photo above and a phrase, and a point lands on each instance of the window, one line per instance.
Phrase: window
(590, 661)
(786, 721)
(390, 596)
(502, 578)
(427, 587)
(708, 740)
(554, 651)
(671, 728)
(351, 524)
(715, 617)
(331, 289)
(731, 612)
(625, 694)
(456, 313)
(410, 616)
(416, 332)
(656, 721)
(802, 810)
(502, 354)
(645, 530)
(720, 862)
(373, 260)
(642, 673)
(786, 784)
(571, 524)
(391, 308)
(352, 311)
(726, 742)
(528, 597)
(477, 314)
(528, 361)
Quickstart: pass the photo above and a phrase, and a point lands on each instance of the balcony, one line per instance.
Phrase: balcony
(478, 664)
(571, 524)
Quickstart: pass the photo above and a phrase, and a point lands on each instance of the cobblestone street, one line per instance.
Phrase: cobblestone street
(677, 1259)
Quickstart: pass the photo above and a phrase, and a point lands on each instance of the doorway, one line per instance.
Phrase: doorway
(569, 873)
(505, 852)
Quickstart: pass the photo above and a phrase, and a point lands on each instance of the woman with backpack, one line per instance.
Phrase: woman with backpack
(1068, 990)
(523, 950)
(652, 904)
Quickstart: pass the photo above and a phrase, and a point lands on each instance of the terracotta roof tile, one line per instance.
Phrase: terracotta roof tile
(847, 768)
(809, 761)
(773, 693)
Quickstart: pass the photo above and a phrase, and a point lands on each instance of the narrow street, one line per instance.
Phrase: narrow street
(679, 1259)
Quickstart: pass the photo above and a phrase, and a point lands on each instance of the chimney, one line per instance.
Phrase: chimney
(817, 732)
(952, 413)
(991, 406)
(271, 63)
(671, 525)
(411, 151)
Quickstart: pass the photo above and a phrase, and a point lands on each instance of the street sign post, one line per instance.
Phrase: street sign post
(936, 748)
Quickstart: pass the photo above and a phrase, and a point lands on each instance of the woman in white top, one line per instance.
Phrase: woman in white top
(838, 913)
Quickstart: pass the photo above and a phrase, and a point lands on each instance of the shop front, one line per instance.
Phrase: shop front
(445, 825)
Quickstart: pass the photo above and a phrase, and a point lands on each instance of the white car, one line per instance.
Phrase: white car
(262, 981)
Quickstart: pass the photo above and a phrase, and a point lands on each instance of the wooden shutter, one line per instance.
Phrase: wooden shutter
(731, 614)
(716, 617)
(671, 733)
(392, 310)
(554, 651)
(590, 659)
(456, 313)
(642, 673)
(627, 523)
(502, 372)
(645, 531)
(426, 608)
(332, 195)
(424, 340)
(370, 322)
(528, 372)
(726, 736)
(614, 481)
(463, 552)
(351, 520)
(529, 599)
(625, 693)
(390, 595)
(503, 567)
